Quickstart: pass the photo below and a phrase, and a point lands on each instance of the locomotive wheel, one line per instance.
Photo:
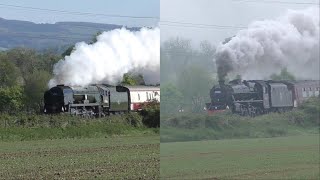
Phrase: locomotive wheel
(281, 110)
(252, 111)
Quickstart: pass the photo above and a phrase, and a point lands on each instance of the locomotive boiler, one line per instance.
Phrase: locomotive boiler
(92, 100)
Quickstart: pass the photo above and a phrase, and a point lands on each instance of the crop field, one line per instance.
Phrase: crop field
(293, 157)
(119, 157)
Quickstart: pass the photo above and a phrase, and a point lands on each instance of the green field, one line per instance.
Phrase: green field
(116, 157)
(293, 157)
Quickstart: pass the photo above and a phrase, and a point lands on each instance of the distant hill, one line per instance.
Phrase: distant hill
(57, 37)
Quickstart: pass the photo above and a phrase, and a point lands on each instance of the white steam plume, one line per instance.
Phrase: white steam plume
(265, 47)
(115, 53)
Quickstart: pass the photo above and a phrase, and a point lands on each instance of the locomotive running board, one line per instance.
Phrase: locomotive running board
(89, 104)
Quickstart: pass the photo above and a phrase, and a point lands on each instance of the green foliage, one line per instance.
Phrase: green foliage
(134, 119)
(190, 70)
(33, 127)
(68, 51)
(171, 99)
(175, 53)
(9, 73)
(191, 126)
(311, 110)
(194, 81)
(25, 59)
(11, 99)
(284, 75)
(132, 79)
(35, 86)
(151, 114)
(30, 70)
(95, 37)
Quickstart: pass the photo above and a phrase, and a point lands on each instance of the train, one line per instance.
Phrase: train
(98, 100)
(255, 97)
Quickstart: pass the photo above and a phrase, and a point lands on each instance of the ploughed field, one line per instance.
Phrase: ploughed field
(293, 157)
(102, 158)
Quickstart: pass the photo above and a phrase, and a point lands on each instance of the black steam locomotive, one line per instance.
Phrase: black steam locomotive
(88, 101)
(254, 97)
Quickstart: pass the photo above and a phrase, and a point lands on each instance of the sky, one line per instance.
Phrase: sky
(145, 8)
(235, 13)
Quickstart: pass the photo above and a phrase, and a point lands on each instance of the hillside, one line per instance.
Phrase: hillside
(58, 36)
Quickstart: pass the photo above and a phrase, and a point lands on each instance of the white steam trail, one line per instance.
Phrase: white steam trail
(266, 47)
(115, 53)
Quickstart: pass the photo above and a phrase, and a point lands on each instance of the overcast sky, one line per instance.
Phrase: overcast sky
(149, 8)
(218, 12)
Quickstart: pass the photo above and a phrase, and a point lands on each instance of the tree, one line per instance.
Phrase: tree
(95, 37)
(194, 81)
(25, 59)
(171, 99)
(68, 51)
(47, 61)
(284, 75)
(207, 49)
(175, 53)
(11, 99)
(151, 114)
(71, 48)
(132, 79)
(9, 73)
(36, 85)
(207, 52)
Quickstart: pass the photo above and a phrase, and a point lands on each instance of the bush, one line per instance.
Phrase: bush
(11, 99)
(151, 114)
(33, 127)
(134, 119)
(187, 127)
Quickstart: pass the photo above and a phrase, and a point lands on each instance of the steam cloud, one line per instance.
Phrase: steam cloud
(115, 53)
(266, 47)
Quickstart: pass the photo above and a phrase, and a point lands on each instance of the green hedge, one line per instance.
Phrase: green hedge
(32, 127)
(186, 127)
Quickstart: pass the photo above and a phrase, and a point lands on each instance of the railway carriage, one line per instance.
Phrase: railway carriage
(143, 94)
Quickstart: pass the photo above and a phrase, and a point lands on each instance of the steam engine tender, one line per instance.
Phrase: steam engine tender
(255, 97)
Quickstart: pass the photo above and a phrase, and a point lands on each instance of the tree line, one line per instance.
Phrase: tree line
(24, 77)
(24, 74)
(188, 73)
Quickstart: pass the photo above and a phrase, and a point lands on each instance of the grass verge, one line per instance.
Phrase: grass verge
(37, 127)
(192, 127)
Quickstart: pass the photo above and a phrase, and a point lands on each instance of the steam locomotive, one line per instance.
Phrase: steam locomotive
(98, 100)
(254, 97)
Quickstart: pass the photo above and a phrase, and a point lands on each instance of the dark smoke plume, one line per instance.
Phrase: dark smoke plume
(224, 65)
(265, 47)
